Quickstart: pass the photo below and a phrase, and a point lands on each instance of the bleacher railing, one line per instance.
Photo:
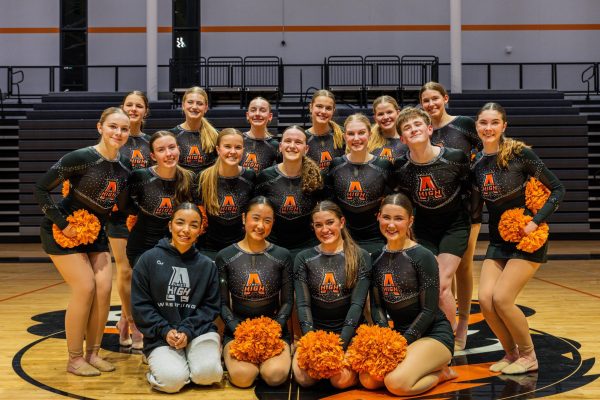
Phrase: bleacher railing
(370, 73)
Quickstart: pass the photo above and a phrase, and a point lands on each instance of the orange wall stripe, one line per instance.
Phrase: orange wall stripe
(117, 29)
(533, 27)
(29, 30)
(325, 28)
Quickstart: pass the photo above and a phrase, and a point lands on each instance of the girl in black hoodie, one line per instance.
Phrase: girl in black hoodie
(175, 299)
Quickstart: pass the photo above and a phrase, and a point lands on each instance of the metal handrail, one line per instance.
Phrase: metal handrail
(520, 78)
(1, 104)
(594, 68)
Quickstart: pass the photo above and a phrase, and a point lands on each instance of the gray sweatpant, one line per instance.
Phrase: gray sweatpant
(199, 362)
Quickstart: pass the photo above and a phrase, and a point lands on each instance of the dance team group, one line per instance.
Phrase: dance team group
(343, 225)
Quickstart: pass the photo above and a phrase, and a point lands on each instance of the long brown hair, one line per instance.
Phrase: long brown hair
(207, 134)
(377, 140)
(507, 148)
(351, 250)
(401, 200)
(209, 178)
(311, 177)
(338, 134)
(183, 177)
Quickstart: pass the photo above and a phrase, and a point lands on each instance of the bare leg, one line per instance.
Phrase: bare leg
(448, 263)
(276, 369)
(241, 373)
(102, 268)
(77, 272)
(464, 289)
(424, 367)
(300, 375)
(490, 273)
(515, 275)
(118, 246)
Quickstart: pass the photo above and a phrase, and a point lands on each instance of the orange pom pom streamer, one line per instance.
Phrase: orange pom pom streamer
(204, 223)
(65, 188)
(86, 225)
(257, 340)
(376, 350)
(512, 223)
(131, 220)
(535, 240)
(536, 195)
(320, 354)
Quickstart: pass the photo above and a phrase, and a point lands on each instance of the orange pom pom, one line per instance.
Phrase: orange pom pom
(320, 354)
(257, 340)
(115, 208)
(204, 223)
(512, 223)
(131, 220)
(376, 350)
(86, 225)
(536, 195)
(535, 240)
(66, 185)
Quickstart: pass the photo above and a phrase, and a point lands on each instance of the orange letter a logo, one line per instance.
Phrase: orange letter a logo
(228, 201)
(389, 286)
(329, 284)
(254, 284)
(489, 180)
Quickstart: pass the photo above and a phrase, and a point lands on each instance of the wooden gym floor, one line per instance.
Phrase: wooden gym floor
(562, 303)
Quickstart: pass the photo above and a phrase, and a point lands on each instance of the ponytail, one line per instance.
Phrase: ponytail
(183, 185)
(310, 175)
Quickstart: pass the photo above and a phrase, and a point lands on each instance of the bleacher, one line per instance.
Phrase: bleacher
(544, 119)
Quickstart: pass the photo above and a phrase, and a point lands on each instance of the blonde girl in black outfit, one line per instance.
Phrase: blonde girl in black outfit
(385, 140)
(326, 138)
(98, 179)
(196, 137)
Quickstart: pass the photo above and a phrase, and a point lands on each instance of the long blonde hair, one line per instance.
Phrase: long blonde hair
(209, 178)
(338, 134)
(507, 148)
(183, 177)
(377, 140)
(207, 133)
(351, 250)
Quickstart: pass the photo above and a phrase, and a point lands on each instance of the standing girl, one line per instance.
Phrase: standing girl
(196, 137)
(437, 180)
(293, 187)
(260, 147)
(155, 191)
(358, 180)
(331, 281)
(385, 141)
(326, 139)
(175, 298)
(225, 189)
(97, 176)
(457, 132)
(256, 280)
(405, 287)
(137, 153)
(500, 177)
